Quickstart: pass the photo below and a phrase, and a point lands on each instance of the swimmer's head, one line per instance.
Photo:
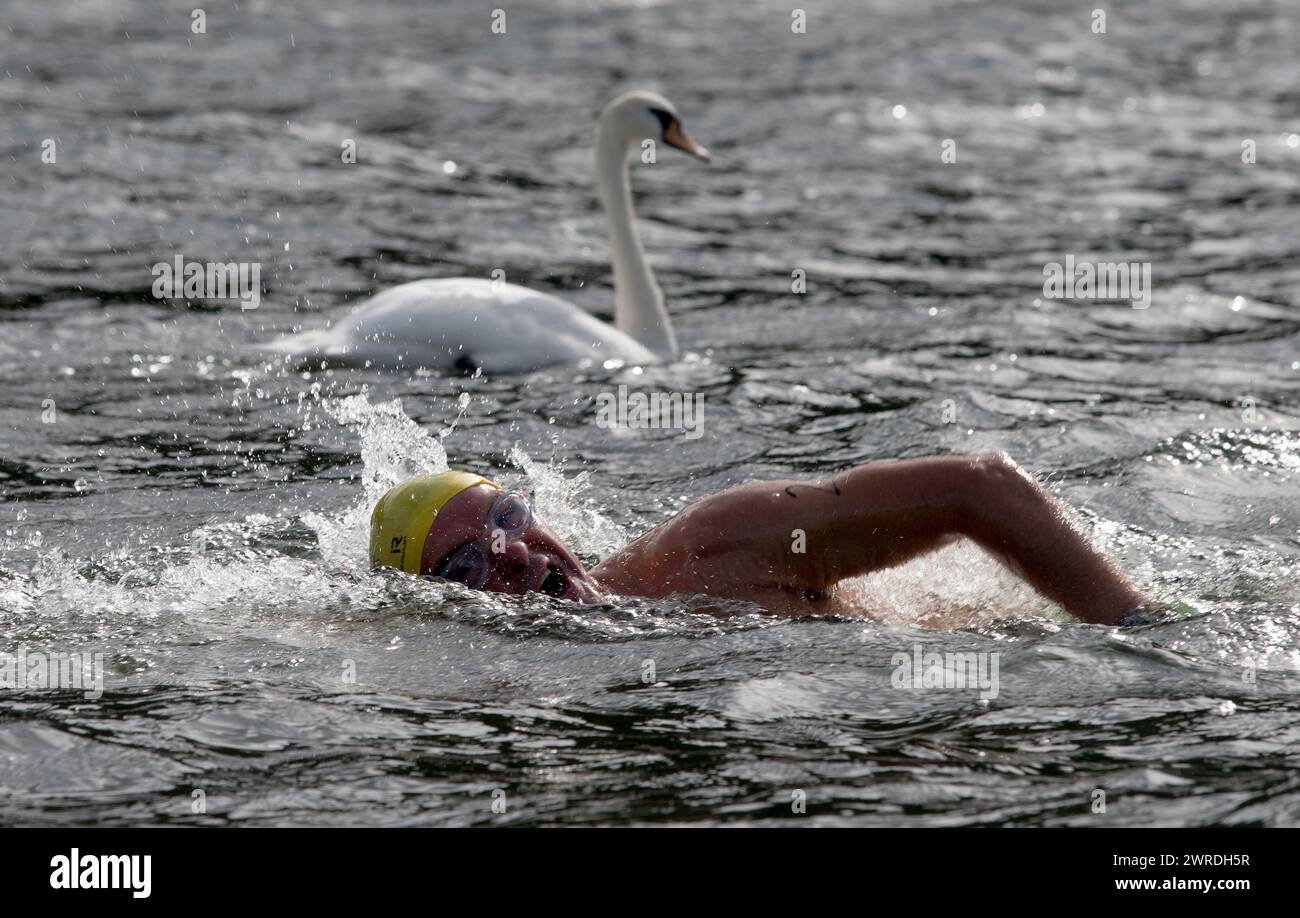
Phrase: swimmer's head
(400, 522)
(465, 528)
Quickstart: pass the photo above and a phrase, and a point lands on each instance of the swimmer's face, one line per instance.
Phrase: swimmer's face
(490, 540)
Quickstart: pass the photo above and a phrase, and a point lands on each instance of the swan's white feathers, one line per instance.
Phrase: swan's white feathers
(463, 323)
(467, 323)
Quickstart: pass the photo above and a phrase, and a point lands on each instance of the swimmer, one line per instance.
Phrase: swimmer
(741, 543)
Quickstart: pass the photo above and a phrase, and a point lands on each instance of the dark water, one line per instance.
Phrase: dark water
(196, 515)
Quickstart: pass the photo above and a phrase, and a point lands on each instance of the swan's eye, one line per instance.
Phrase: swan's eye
(665, 118)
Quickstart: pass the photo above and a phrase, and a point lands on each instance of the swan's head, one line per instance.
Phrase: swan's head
(635, 116)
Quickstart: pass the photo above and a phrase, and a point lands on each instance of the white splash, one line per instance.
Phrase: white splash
(556, 500)
(394, 447)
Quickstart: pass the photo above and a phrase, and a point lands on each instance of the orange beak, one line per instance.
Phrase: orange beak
(676, 137)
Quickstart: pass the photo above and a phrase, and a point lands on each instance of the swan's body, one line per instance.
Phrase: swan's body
(465, 323)
(470, 323)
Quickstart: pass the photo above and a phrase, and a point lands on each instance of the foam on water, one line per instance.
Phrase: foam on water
(237, 575)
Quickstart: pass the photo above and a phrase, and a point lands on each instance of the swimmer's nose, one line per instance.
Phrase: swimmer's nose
(513, 556)
(511, 565)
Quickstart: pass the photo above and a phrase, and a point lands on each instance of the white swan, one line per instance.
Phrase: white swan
(469, 323)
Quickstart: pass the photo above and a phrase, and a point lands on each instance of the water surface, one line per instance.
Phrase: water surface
(197, 515)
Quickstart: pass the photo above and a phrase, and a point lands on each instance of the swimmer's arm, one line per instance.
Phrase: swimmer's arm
(880, 515)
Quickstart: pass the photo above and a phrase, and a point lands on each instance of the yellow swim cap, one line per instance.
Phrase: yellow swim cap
(402, 517)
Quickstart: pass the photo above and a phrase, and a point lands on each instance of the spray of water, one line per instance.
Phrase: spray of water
(295, 578)
(394, 447)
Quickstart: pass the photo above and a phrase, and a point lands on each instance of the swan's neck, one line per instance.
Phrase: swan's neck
(638, 303)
